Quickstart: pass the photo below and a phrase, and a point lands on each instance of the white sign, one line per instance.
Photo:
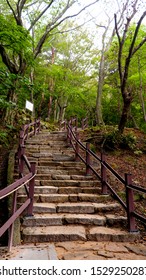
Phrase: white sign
(29, 106)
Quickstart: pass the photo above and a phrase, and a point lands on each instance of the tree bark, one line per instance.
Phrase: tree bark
(125, 112)
(99, 118)
(124, 71)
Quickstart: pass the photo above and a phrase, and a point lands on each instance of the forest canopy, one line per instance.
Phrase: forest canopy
(70, 58)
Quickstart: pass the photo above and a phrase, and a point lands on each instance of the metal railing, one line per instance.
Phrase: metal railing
(27, 181)
(89, 160)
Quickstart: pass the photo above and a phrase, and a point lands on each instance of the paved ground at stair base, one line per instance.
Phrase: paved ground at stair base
(77, 250)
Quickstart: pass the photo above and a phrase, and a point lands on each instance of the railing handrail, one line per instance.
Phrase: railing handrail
(23, 180)
(15, 186)
(85, 123)
(24, 133)
(127, 181)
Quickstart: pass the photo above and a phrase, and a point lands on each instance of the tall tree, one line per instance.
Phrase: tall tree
(124, 62)
(35, 21)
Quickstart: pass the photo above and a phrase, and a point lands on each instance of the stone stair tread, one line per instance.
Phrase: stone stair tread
(111, 234)
(76, 190)
(54, 198)
(72, 164)
(59, 219)
(41, 190)
(46, 189)
(85, 207)
(72, 197)
(54, 233)
(67, 183)
(44, 207)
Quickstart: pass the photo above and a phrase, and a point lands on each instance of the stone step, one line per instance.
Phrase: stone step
(63, 190)
(68, 183)
(51, 137)
(49, 153)
(72, 164)
(86, 207)
(72, 233)
(76, 190)
(61, 198)
(53, 168)
(76, 207)
(63, 171)
(42, 190)
(53, 234)
(53, 142)
(50, 147)
(63, 219)
(110, 234)
(62, 177)
(44, 208)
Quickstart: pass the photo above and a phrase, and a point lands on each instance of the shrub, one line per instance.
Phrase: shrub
(114, 140)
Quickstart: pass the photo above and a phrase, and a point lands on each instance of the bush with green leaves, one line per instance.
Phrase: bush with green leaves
(114, 140)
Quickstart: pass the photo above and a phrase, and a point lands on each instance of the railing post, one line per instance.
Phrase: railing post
(31, 190)
(77, 148)
(76, 124)
(65, 125)
(21, 161)
(88, 160)
(86, 122)
(103, 175)
(11, 229)
(39, 125)
(69, 133)
(82, 124)
(35, 126)
(130, 204)
(21, 136)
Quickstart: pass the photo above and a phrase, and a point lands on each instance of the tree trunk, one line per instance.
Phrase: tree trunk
(125, 112)
(99, 118)
(51, 86)
(61, 113)
(50, 107)
(141, 91)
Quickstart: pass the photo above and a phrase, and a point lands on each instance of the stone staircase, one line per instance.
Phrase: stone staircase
(68, 205)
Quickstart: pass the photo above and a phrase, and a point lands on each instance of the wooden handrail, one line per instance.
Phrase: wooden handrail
(9, 224)
(15, 186)
(23, 181)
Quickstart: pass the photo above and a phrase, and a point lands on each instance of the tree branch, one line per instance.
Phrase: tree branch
(139, 46)
(11, 8)
(131, 51)
(51, 26)
(40, 15)
(120, 50)
(11, 66)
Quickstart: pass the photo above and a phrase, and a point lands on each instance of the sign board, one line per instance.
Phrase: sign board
(29, 106)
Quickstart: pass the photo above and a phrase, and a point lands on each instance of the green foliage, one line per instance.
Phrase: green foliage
(114, 140)
(127, 141)
(3, 138)
(14, 37)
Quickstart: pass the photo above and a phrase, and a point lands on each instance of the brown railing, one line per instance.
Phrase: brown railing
(99, 167)
(84, 123)
(26, 181)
